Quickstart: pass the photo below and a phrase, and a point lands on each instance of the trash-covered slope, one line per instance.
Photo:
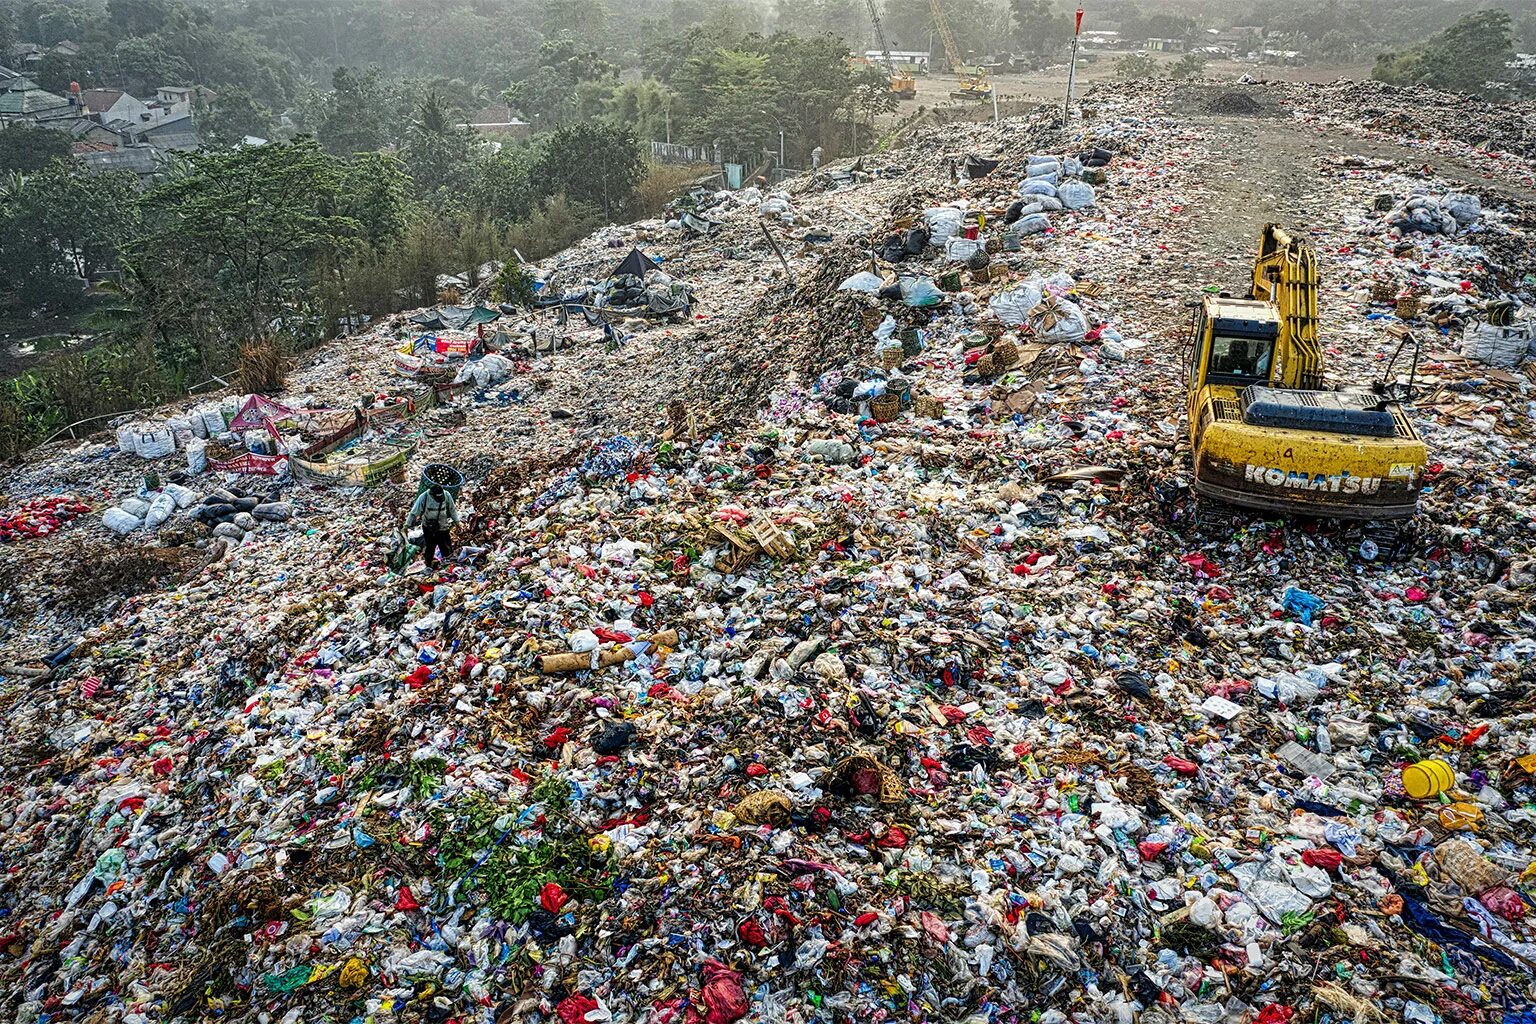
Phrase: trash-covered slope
(760, 692)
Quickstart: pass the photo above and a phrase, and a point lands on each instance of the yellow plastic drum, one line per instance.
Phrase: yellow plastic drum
(1428, 778)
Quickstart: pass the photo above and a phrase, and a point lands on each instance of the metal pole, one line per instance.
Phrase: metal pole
(994, 103)
(1066, 112)
(781, 149)
(1077, 29)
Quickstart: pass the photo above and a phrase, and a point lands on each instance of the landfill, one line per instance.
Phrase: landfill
(842, 646)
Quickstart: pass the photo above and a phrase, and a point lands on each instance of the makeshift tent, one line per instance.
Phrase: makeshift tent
(258, 412)
(978, 167)
(636, 264)
(455, 318)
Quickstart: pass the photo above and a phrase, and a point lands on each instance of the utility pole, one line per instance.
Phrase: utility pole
(1077, 28)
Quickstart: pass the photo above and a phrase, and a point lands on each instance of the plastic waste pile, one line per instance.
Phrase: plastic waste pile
(896, 682)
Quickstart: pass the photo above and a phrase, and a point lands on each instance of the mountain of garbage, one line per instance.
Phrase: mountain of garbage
(829, 635)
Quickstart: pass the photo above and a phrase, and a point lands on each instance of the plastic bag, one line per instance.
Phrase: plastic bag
(153, 441)
(1463, 206)
(197, 456)
(1075, 195)
(863, 281)
(1037, 187)
(120, 522)
(159, 511)
(1031, 224)
(920, 291)
(1013, 306)
(182, 496)
(942, 222)
(959, 249)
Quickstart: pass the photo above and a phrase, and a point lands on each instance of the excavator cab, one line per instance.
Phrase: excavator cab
(1264, 431)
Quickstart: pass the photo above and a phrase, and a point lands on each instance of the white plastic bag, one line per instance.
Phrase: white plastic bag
(942, 222)
(197, 455)
(120, 522)
(214, 421)
(153, 441)
(1076, 195)
(182, 496)
(1013, 306)
(181, 430)
(959, 249)
(863, 281)
(159, 510)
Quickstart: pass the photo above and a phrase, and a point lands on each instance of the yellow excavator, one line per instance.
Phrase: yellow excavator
(902, 84)
(1265, 432)
(974, 84)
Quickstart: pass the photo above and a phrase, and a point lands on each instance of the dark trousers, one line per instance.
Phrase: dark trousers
(435, 541)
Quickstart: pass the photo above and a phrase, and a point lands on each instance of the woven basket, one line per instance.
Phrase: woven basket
(890, 358)
(1005, 353)
(1407, 307)
(885, 408)
(928, 407)
(1382, 291)
(986, 365)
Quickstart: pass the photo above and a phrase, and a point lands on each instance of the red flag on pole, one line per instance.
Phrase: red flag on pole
(1078, 27)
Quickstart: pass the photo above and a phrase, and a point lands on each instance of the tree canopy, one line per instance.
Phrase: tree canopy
(1470, 56)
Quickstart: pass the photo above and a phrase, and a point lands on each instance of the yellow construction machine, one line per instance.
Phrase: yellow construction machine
(903, 85)
(974, 84)
(1265, 432)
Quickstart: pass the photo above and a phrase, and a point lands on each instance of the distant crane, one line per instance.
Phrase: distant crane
(973, 82)
(902, 84)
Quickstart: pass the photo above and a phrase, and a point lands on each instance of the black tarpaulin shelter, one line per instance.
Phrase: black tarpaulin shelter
(979, 167)
(454, 318)
(636, 263)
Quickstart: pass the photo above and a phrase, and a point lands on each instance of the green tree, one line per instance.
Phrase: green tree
(27, 148)
(1135, 65)
(1038, 27)
(376, 194)
(562, 83)
(809, 18)
(235, 116)
(258, 226)
(355, 115)
(1467, 57)
(7, 29)
(140, 17)
(437, 148)
(592, 163)
(144, 63)
(501, 186)
(53, 21)
(1188, 67)
(59, 226)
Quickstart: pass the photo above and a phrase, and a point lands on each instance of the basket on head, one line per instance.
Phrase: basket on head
(885, 408)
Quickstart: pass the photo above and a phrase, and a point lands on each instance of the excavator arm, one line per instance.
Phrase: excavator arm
(1285, 273)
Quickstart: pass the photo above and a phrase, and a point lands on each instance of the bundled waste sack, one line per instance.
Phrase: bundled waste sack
(1425, 214)
(1076, 195)
(121, 521)
(943, 222)
(153, 440)
(1499, 346)
(485, 370)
